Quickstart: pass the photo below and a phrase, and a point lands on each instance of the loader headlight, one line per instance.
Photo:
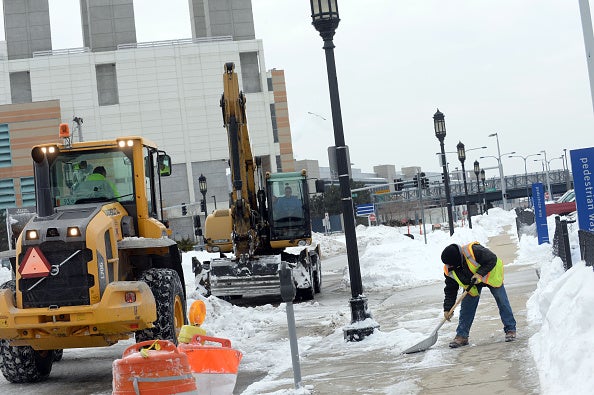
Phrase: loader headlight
(48, 150)
(125, 143)
(73, 231)
(32, 235)
(302, 243)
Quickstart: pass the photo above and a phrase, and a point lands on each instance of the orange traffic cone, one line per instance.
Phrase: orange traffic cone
(159, 369)
(214, 367)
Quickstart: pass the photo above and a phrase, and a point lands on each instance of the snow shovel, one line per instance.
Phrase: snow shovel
(432, 339)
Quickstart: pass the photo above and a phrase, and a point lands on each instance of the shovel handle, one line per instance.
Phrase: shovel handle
(459, 300)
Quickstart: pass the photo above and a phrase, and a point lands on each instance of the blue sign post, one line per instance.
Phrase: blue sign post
(582, 167)
(540, 213)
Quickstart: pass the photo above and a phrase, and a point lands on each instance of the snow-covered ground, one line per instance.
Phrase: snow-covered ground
(560, 308)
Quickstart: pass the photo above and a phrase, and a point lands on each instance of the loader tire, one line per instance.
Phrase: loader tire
(58, 354)
(170, 302)
(23, 364)
(317, 274)
(307, 293)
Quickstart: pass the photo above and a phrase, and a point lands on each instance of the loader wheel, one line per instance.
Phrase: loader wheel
(170, 303)
(23, 364)
(58, 354)
(307, 293)
(317, 274)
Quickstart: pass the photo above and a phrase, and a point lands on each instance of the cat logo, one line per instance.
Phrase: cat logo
(34, 264)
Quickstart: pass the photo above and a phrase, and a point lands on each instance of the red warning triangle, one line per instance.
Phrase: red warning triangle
(34, 264)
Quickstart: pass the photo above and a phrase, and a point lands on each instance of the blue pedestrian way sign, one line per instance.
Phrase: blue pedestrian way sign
(365, 209)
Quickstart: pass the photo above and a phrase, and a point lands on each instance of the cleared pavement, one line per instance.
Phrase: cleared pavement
(488, 364)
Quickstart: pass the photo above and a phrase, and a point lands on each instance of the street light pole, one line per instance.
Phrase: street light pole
(547, 175)
(203, 189)
(440, 133)
(462, 158)
(503, 186)
(325, 18)
(525, 172)
(477, 170)
(484, 192)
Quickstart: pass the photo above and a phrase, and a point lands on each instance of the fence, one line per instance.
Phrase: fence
(561, 245)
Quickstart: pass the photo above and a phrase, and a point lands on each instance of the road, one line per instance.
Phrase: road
(507, 366)
(89, 371)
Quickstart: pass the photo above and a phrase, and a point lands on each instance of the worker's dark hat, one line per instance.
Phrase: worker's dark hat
(452, 255)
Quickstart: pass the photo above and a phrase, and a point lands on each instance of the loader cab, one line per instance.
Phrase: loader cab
(288, 198)
(104, 172)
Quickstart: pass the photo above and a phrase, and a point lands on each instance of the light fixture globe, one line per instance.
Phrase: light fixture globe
(461, 152)
(439, 125)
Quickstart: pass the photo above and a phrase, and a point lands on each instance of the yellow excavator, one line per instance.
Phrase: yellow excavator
(268, 221)
(95, 264)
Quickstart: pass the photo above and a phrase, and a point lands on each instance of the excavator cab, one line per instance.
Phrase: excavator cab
(288, 197)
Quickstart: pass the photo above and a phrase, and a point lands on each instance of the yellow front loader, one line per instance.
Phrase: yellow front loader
(95, 265)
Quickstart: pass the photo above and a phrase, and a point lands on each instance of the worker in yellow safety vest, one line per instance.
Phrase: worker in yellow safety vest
(476, 266)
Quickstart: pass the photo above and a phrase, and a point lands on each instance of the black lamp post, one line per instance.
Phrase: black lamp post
(462, 158)
(440, 133)
(477, 171)
(324, 15)
(484, 192)
(202, 186)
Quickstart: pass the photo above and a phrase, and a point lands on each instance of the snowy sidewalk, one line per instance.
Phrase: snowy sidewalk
(488, 363)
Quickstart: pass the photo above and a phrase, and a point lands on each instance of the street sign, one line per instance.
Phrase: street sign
(365, 209)
(372, 217)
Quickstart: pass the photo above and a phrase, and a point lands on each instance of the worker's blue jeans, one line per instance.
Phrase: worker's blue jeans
(470, 303)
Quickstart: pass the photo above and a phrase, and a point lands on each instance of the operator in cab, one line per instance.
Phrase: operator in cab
(288, 205)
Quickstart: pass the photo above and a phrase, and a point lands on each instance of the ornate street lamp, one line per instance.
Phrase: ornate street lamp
(324, 15)
(202, 186)
(484, 192)
(462, 158)
(477, 171)
(440, 133)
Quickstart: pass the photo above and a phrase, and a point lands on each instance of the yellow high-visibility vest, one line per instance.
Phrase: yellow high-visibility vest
(494, 278)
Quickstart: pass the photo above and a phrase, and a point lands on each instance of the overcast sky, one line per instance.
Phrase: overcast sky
(515, 67)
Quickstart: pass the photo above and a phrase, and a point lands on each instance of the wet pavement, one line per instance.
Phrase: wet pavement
(488, 364)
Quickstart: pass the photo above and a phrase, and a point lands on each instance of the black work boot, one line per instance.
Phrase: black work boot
(459, 341)
(510, 336)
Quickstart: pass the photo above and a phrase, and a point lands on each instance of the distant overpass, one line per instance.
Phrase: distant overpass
(517, 186)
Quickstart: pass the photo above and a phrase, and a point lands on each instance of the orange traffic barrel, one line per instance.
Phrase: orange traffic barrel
(214, 366)
(153, 367)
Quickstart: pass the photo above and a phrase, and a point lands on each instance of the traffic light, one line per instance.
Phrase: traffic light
(203, 205)
(197, 229)
(416, 181)
(184, 209)
(424, 181)
(443, 178)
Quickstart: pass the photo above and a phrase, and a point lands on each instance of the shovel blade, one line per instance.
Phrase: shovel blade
(423, 345)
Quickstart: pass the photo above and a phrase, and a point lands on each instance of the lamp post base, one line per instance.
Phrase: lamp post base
(362, 325)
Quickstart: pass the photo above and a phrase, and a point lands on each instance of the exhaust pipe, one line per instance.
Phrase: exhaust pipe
(43, 198)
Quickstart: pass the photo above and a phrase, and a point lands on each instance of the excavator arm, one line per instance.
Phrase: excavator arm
(243, 198)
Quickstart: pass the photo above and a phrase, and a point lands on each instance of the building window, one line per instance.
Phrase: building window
(279, 164)
(274, 125)
(269, 82)
(5, 154)
(250, 72)
(107, 84)
(28, 191)
(7, 199)
(20, 87)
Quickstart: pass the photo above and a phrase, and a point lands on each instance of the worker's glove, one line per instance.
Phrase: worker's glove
(476, 279)
(447, 315)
